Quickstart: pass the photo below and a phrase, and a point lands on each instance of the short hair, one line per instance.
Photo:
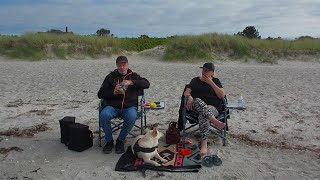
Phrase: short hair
(122, 59)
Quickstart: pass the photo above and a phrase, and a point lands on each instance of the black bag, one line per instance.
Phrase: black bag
(172, 134)
(80, 137)
(64, 128)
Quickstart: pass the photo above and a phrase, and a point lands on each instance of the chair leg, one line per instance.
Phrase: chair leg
(99, 132)
(224, 139)
(144, 120)
(225, 130)
(141, 124)
(221, 133)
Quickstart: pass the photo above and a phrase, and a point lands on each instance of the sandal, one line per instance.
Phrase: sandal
(209, 161)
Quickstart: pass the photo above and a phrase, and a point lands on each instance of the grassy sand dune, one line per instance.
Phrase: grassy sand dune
(211, 46)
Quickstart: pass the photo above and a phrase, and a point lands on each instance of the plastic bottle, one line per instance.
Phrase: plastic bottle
(241, 101)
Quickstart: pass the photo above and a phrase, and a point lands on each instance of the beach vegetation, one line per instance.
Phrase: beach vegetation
(213, 46)
(250, 32)
(208, 46)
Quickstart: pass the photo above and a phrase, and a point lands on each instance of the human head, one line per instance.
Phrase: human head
(122, 65)
(208, 69)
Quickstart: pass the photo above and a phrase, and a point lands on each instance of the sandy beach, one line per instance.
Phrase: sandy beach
(276, 137)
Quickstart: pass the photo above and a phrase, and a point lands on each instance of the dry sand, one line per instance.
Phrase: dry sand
(277, 137)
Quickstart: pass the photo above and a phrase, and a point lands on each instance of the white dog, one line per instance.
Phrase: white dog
(146, 146)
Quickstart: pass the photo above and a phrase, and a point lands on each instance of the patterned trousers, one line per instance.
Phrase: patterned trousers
(204, 111)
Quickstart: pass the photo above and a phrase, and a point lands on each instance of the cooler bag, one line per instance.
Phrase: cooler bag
(64, 128)
(80, 137)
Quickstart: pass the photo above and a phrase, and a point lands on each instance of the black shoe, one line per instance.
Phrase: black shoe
(107, 149)
(119, 147)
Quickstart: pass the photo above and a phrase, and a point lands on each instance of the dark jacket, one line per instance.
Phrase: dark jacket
(131, 94)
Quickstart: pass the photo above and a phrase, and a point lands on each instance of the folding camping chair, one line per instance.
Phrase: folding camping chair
(117, 125)
(185, 115)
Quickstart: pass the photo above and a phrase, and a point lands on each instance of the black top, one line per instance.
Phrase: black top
(132, 93)
(205, 92)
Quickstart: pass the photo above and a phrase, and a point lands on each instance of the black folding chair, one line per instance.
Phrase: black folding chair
(188, 116)
(117, 125)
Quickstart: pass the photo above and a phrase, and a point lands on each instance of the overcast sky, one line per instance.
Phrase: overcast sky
(161, 18)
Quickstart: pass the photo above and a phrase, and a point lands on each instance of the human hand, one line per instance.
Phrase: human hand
(127, 82)
(207, 79)
(118, 89)
(189, 103)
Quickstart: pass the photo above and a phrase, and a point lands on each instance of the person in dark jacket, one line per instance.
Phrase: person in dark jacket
(204, 99)
(120, 90)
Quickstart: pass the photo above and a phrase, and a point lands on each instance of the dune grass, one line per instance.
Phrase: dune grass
(211, 46)
(219, 47)
(43, 45)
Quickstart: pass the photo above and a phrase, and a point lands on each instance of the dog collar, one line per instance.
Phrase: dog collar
(138, 148)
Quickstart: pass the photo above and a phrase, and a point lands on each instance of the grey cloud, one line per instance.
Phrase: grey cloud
(163, 17)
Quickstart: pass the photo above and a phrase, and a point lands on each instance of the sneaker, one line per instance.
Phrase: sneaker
(119, 147)
(107, 149)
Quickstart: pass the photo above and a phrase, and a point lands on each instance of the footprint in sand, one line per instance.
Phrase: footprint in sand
(45, 112)
(16, 103)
